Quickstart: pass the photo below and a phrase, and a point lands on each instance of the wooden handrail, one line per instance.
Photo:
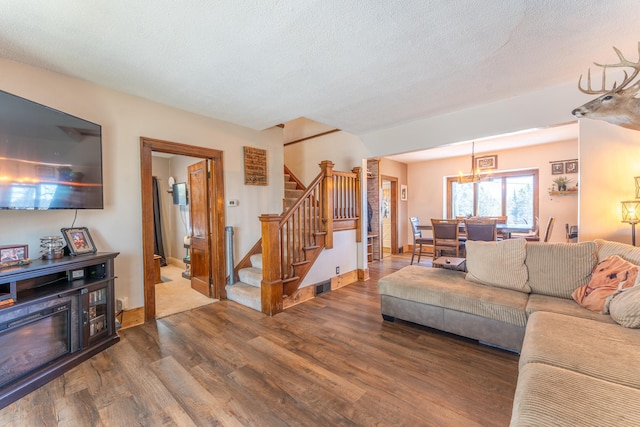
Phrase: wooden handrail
(292, 241)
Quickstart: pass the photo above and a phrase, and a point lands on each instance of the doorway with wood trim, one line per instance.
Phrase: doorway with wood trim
(213, 254)
(389, 215)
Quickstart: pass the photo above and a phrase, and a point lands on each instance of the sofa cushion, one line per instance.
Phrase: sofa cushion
(605, 351)
(498, 264)
(610, 275)
(449, 289)
(625, 308)
(551, 396)
(607, 248)
(557, 269)
(537, 302)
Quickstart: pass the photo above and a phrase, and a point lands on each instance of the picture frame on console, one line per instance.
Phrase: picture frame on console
(11, 255)
(79, 241)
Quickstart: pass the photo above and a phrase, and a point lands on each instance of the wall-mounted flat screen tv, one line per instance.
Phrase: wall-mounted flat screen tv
(48, 159)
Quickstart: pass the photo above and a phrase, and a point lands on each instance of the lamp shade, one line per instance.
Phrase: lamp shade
(637, 180)
(631, 211)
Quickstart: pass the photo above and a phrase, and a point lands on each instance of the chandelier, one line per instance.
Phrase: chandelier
(475, 175)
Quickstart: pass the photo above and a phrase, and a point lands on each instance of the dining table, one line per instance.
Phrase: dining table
(504, 229)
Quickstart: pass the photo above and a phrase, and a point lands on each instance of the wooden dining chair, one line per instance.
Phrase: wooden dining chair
(547, 233)
(421, 245)
(446, 237)
(481, 229)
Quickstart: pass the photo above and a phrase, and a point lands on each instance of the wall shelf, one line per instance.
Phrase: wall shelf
(563, 193)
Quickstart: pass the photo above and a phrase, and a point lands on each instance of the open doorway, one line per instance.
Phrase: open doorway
(215, 217)
(173, 200)
(389, 215)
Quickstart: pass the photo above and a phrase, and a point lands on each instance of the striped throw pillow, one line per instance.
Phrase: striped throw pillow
(499, 264)
(624, 308)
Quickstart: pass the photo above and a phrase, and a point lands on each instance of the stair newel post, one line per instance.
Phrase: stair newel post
(327, 196)
(271, 286)
(357, 171)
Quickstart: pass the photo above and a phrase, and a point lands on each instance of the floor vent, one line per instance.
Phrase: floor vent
(323, 287)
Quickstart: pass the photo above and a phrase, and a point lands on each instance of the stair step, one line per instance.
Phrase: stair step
(293, 194)
(251, 276)
(290, 185)
(256, 261)
(245, 294)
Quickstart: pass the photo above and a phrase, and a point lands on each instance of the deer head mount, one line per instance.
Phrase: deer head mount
(618, 105)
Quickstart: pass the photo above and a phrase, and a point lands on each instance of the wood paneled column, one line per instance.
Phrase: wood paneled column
(271, 285)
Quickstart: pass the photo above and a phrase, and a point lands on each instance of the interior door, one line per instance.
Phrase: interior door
(201, 227)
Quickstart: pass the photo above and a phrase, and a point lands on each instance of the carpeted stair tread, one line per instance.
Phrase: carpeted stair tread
(256, 260)
(251, 276)
(245, 294)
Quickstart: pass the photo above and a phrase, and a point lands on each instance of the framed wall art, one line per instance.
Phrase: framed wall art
(255, 166)
(403, 193)
(557, 168)
(571, 166)
(487, 162)
(79, 240)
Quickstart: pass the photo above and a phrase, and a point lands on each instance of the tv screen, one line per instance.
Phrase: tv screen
(48, 159)
(180, 194)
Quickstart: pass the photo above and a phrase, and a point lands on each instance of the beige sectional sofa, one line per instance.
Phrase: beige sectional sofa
(577, 366)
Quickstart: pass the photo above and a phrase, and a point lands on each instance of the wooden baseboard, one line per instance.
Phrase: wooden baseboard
(133, 317)
(301, 295)
(363, 274)
(344, 279)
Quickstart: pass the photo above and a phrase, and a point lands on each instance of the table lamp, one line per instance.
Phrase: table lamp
(631, 214)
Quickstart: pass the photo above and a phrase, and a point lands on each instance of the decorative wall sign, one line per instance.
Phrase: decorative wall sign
(571, 167)
(487, 162)
(557, 168)
(255, 166)
(403, 192)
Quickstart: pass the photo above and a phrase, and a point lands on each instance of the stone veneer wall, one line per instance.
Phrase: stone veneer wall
(373, 197)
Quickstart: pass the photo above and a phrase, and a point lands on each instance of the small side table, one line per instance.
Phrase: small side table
(451, 263)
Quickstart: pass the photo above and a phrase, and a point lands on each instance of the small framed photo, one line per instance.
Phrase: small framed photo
(403, 193)
(79, 241)
(571, 167)
(487, 162)
(557, 168)
(14, 255)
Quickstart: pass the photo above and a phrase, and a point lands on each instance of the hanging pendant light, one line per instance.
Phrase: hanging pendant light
(475, 175)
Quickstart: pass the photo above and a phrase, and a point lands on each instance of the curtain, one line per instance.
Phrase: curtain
(158, 244)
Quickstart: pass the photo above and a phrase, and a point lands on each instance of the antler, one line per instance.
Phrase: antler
(627, 78)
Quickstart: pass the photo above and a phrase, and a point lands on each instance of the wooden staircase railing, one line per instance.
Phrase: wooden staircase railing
(291, 242)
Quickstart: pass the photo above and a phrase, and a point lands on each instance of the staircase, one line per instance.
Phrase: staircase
(247, 290)
(271, 273)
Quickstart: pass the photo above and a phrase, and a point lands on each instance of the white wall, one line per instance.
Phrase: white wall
(344, 149)
(427, 180)
(547, 107)
(609, 158)
(124, 119)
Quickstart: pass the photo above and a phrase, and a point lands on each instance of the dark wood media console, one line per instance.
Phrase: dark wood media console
(63, 314)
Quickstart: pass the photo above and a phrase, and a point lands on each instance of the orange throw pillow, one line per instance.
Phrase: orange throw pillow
(610, 275)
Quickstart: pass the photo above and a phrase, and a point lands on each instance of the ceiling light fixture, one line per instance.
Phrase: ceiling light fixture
(475, 175)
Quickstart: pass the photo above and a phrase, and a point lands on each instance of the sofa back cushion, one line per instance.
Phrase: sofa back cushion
(607, 248)
(499, 264)
(557, 269)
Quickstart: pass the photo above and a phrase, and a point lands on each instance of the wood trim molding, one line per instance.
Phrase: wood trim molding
(147, 146)
(312, 136)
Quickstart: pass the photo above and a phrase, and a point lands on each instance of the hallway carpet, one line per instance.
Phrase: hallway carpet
(174, 294)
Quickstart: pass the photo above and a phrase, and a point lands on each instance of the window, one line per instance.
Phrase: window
(510, 194)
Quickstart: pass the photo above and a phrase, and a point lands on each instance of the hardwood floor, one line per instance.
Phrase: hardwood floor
(326, 362)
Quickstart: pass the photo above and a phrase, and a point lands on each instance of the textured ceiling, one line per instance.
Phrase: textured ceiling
(358, 65)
